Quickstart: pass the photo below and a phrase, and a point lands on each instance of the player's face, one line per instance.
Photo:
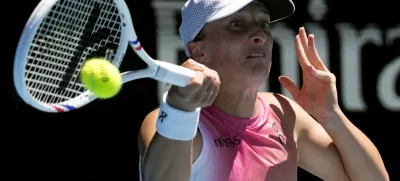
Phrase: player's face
(240, 44)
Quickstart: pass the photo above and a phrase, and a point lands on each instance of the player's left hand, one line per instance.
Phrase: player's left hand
(318, 95)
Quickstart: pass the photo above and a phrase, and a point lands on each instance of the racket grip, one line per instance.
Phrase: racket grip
(173, 74)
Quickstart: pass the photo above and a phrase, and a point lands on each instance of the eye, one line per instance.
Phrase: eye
(266, 25)
(237, 24)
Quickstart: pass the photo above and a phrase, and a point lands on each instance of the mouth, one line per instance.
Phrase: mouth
(256, 55)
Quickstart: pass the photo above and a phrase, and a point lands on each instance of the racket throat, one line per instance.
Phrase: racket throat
(149, 72)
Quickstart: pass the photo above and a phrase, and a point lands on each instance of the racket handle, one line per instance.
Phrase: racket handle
(173, 74)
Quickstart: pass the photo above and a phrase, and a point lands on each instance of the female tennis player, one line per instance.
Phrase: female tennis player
(220, 128)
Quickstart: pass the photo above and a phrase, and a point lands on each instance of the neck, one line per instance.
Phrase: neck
(237, 102)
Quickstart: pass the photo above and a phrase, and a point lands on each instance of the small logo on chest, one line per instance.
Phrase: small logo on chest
(280, 135)
(227, 142)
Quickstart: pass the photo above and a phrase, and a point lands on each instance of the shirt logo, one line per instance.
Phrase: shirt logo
(227, 142)
(162, 116)
(280, 135)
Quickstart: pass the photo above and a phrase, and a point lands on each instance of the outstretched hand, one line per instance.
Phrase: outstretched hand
(318, 95)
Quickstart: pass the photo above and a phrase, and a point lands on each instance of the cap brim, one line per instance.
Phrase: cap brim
(278, 9)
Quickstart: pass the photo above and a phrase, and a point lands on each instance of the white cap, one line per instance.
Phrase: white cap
(196, 13)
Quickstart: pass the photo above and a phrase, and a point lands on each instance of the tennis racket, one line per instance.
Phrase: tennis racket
(61, 34)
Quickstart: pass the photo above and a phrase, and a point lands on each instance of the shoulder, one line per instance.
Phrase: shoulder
(286, 109)
(283, 106)
(283, 103)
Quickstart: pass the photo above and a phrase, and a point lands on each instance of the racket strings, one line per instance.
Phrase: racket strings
(72, 32)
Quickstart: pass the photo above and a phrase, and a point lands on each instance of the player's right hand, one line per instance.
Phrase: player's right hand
(200, 92)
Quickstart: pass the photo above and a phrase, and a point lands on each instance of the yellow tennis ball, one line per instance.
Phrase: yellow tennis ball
(101, 77)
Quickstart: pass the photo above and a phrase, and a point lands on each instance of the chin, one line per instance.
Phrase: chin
(260, 70)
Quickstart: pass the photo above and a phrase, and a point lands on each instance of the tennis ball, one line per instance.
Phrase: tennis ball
(101, 77)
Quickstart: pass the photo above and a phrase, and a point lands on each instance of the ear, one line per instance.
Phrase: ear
(196, 52)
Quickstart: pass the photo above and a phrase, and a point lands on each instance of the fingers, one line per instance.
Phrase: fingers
(326, 77)
(213, 94)
(301, 55)
(195, 84)
(201, 90)
(204, 88)
(290, 86)
(310, 50)
(193, 65)
(208, 93)
(304, 40)
(318, 63)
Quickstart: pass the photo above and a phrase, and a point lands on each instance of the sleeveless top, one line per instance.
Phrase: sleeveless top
(236, 149)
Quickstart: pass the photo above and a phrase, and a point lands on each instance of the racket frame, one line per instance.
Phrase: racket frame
(158, 70)
(23, 47)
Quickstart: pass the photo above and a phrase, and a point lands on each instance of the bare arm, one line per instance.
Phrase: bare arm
(332, 148)
(171, 159)
(360, 157)
(337, 152)
(164, 159)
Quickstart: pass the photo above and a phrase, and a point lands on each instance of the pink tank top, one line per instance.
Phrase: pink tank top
(254, 149)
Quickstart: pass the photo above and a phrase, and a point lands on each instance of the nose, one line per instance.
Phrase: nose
(259, 36)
